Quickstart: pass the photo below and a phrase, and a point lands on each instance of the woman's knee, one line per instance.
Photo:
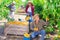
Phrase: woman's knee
(32, 35)
(42, 32)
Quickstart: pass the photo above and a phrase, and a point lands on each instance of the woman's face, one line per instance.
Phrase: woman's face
(29, 4)
(37, 18)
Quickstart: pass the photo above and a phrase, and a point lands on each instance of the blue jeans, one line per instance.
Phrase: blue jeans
(31, 19)
(42, 33)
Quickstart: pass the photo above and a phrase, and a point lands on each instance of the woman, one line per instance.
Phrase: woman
(30, 9)
(37, 27)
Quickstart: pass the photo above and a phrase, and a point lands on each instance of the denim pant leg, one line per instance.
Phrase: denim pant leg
(31, 19)
(34, 34)
(42, 33)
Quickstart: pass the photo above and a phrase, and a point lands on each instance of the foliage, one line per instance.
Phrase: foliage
(38, 5)
(50, 9)
(4, 10)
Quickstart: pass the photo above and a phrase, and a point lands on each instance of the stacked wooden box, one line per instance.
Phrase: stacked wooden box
(16, 29)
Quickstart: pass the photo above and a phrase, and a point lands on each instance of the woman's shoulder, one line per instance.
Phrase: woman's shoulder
(41, 20)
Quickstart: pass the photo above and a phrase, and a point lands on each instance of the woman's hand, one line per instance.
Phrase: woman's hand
(36, 29)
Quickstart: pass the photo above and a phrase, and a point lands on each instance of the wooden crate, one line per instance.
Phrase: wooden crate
(14, 37)
(16, 29)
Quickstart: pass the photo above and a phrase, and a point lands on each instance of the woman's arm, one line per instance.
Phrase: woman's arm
(33, 10)
(31, 26)
(44, 23)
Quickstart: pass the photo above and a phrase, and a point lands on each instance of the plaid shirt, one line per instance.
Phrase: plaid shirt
(39, 25)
